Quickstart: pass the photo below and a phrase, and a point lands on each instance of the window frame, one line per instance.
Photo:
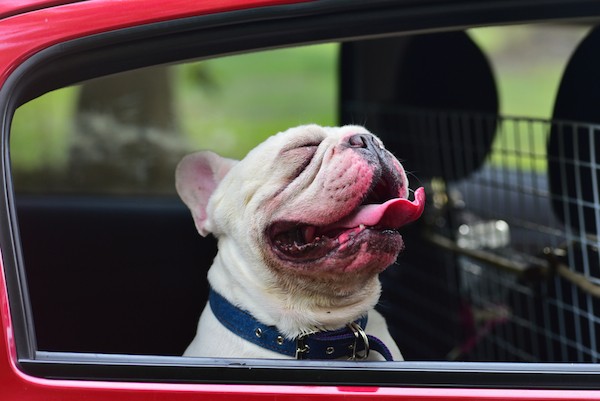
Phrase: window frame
(230, 33)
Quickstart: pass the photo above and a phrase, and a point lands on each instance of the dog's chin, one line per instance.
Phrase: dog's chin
(312, 251)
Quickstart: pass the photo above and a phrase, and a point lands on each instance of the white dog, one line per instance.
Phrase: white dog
(305, 223)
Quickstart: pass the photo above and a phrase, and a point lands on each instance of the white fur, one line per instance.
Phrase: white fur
(235, 203)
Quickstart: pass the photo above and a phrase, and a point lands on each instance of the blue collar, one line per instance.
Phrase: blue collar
(351, 341)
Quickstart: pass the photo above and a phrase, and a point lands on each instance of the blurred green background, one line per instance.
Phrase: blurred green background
(227, 104)
(217, 106)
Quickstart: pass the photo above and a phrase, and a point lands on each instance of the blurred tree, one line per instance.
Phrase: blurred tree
(125, 135)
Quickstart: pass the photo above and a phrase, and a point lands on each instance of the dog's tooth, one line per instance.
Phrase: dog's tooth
(309, 233)
(361, 227)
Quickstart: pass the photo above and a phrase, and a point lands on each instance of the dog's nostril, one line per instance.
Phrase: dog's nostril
(358, 141)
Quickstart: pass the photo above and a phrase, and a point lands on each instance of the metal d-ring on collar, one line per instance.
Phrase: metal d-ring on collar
(348, 342)
(359, 333)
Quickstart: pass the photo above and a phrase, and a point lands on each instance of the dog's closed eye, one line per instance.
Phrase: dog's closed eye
(302, 146)
(301, 156)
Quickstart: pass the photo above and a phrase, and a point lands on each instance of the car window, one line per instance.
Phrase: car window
(503, 266)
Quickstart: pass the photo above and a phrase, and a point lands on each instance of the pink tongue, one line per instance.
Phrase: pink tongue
(392, 214)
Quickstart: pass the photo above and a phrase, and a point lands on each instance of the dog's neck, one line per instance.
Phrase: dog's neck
(257, 291)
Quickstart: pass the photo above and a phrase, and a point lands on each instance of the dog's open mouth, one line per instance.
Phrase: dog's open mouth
(379, 212)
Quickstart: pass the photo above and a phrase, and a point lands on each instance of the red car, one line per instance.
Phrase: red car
(492, 105)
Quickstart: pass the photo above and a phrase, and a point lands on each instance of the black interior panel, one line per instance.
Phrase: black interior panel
(113, 275)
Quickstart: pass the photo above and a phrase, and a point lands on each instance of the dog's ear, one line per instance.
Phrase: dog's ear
(196, 178)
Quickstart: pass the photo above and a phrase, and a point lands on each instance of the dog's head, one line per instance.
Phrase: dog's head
(319, 207)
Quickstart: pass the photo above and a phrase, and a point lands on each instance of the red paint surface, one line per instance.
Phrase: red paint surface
(16, 7)
(28, 26)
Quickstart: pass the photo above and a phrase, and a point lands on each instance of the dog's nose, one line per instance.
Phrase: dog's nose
(365, 141)
(358, 141)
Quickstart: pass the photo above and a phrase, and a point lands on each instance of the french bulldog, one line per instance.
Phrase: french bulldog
(305, 223)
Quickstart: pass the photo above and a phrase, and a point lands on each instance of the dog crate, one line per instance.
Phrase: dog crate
(504, 265)
(522, 230)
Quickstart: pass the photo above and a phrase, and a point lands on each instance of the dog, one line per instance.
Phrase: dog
(305, 223)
